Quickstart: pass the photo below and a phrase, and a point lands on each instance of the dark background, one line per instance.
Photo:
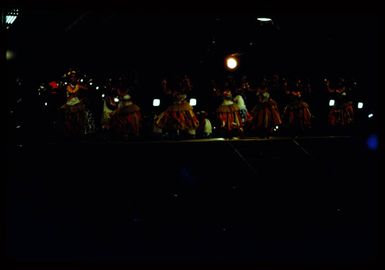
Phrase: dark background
(314, 200)
(150, 44)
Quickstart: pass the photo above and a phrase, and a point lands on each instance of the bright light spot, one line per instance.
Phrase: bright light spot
(45, 103)
(9, 19)
(264, 19)
(193, 102)
(332, 102)
(370, 115)
(116, 99)
(90, 83)
(156, 102)
(81, 80)
(9, 55)
(18, 126)
(231, 63)
(360, 105)
(97, 87)
(103, 95)
(65, 83)
(276, 127)
(372, 142)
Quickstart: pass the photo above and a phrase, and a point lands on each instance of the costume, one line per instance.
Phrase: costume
(229, 116)
(342, 112)
(265, 113)
(297, 115)
(78, 119)
(126, 120)
(178, 119)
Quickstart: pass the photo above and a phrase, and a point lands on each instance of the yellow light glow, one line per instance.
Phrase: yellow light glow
(231, 63)
(9, 55)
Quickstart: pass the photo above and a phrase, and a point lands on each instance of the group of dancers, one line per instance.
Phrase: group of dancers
(237, 109)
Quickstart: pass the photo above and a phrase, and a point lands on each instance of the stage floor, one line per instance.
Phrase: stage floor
(285, 200)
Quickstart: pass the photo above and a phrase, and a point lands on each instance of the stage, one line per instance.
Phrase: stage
(281, 200)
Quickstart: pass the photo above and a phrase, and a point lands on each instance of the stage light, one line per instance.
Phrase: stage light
(97, 87)
(103, 95)
(9, 55)
(264, 19)
(116, 99)
(372, 142)
(11, 16)
(45, 103)
(90, 83)
(332, 102)
(193, 102)
(360, 105)
(156, 102)
(231, 63)
(65, 83)
(370, 115)
(81, 80)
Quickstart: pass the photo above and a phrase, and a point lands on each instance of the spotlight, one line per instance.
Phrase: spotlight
(9, 55)
(261, 19)
(103, 95)
(81, 80)
(332, 102)
(116, 99)
(45, 103)
(360, 105)
(97, 87)
(231, 63)
(193, 102)
(370, 115)
(11, 16)
(156, 102)
(90, 83)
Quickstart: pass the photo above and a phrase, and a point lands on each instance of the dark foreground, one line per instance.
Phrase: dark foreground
(309, 200)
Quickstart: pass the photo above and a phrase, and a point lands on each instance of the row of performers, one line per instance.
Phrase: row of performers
(124, 119)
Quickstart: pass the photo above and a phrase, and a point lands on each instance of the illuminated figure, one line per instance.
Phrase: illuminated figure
(204, 129)
(179, 119)
(297, 115)
(229, 116)
(109, 106)
(265, 114)
(78, 119)
(239, 100)
(341, 112)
